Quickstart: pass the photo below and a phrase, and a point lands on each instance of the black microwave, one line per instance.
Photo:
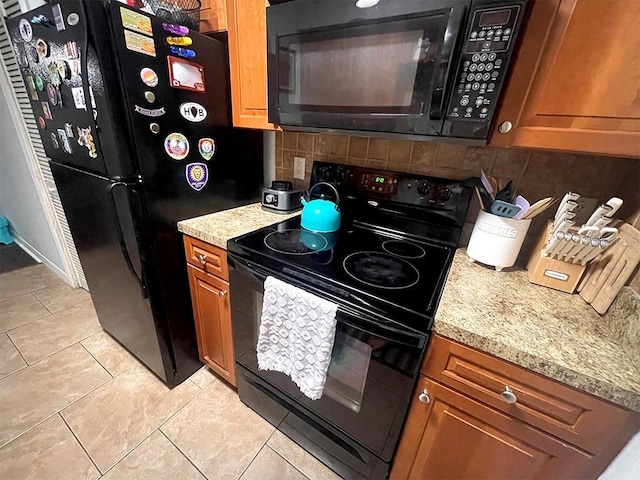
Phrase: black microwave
(411, 67)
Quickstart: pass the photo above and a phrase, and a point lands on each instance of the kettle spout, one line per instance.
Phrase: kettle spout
(303, 201)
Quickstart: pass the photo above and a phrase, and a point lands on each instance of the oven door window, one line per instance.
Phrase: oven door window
(384, 68)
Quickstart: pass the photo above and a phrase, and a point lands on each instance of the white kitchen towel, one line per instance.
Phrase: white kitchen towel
(297, 330)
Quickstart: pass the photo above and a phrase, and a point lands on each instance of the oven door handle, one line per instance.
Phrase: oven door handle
(443, 69)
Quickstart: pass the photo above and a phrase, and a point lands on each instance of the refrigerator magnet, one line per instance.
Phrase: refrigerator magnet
(85, 139)
(42, 47)
(139, 43)
(33, 55)
(54, 140)
(73, 18)
(177, 146)
(42, 124)
(64, 140)
(63, 69)
(58, 19)
(54, 74)
(136, 21)
(78, 98)
(31, 85)
(149, 77)
(186, 75)
(192, 111)
(206, 147)
(150, 112)
(68, 128)
(39, 83)
(71, 49)
(52, 94)
(47, 111)
(197, 175)
(75, 67)
(26, 32)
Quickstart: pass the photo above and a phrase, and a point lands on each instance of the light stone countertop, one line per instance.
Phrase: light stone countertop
(549, 332)
(217, 228)
(553, 333)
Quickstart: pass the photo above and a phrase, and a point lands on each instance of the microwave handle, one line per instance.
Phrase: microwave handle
(451, 34)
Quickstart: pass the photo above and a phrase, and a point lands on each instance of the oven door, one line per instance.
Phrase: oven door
(380, 69)
(371, 376)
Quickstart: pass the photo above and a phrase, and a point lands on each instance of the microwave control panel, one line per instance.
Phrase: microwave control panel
(483, 62)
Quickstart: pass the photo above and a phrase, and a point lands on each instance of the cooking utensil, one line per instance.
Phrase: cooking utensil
(484, 198)
(539, 207)
(321, 215)
(600, 223)
(594, 244)
(506, 193)
(567, 215)
(599, 212)
(523, 204)
(568, 207)
(487, 185)
(606, 277)
(605, 243)
(553, 244)
(567, 196)
(615, 203)
(571, 241)
(504, 209)
(584, 241)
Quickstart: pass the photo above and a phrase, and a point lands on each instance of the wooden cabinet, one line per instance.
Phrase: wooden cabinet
(461, 426)
(209, 285)
(247, 26)
(213, 16)
(575, 81)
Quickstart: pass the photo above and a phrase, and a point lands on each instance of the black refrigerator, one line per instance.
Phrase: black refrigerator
(134, 114)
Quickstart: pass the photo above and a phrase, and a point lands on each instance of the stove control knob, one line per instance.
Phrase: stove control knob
(424, 188)
(326, 174)
(340, 174)
(445, 194)
(424, 396)
(269, 198)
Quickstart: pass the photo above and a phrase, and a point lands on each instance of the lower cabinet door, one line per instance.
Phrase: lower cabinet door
(448, 435)
(212, 313)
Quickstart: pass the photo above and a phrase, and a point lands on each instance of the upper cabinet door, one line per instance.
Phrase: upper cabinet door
(575, 83)
(247, 26)
(213, 16)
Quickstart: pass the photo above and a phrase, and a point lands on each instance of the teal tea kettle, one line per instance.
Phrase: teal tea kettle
(321, 215)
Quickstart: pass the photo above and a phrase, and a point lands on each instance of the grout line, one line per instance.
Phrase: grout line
(13, 439)
(286, 460)
(65, 347)
(97, 361)
(80, 443)
(252, 460)
(18, 350)
(182, 453)
(183, 406)
(40, 301)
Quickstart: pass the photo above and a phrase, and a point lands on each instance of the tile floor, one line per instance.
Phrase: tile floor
(75, 405)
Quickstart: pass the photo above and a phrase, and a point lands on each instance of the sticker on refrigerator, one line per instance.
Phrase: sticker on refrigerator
(186, 75)
(33, 55)
(78, 98)
(64, 140)
(47, 111)
(192, 111)
(42, 48)
(54, 74)
(149, 77)
(136, 21)
(85, 139)
(58, 19)
(68, 128)
(71, 50)
(31, 85)
(150, 112)
(139, 43)
(63, 69)
(54, 140)
(206, 147)
(197, 175)
(26, 32)
(75, 67)
(177, 146)
(52, 94)
(41, 123)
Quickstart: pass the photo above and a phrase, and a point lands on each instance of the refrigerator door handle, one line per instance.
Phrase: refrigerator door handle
(123, 245)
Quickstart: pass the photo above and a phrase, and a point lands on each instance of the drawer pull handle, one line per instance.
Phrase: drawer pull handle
(508, 396)
(223, 293)
(202, 258)
(424, 396)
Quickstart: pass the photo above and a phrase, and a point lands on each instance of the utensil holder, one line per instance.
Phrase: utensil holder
(552, 273)
(496, 241)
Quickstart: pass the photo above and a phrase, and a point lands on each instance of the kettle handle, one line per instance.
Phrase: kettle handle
(330, 185)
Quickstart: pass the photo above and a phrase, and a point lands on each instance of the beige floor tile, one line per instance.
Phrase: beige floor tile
(268, 465)
(60, 297)
(298, 456)
(154, 459)
(203, 377)
(115, 418)
(111, 355)
(26, 280)
(10, 358)
(48, 335)
(20, 310)
(218, 433)
(49, 451)
(34, 393)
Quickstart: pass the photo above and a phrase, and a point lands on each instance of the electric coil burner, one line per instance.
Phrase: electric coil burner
(385, 269)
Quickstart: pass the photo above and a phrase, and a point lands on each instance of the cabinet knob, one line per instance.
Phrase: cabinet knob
(223, 293)
(505, 127)
(508, 396)
(424, 396)
(202, 258)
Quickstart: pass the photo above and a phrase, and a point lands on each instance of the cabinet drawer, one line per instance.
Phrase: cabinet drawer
(578, 418)
(208, 257)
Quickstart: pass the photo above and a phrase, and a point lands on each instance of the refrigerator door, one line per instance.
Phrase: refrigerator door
(56, 61)
(98, 212)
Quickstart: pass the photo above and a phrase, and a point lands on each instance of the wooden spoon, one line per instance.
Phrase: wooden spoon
(539, 207)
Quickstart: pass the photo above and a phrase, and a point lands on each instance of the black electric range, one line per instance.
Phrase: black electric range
(385, 269)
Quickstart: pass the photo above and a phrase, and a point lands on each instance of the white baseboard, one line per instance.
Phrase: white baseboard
(38, 257)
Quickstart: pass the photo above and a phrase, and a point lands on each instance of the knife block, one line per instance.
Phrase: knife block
(552, 273)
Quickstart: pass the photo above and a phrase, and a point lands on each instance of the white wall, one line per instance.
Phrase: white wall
(626, 466)
(19, 201)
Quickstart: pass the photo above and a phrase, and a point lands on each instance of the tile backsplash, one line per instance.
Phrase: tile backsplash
(536, 173)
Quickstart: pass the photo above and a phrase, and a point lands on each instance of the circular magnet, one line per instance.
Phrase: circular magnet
(149, 77)
(39, 83)
(63, 69)
(33, 55)
(150, 96)
(177, 146)
(54, 140)
(155, 128)
(52, 94)
(42, 48)
(73, 19)
(26, 32)
(42, 124)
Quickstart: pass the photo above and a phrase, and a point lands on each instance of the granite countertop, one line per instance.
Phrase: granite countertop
(217, 228)
(550, 332)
